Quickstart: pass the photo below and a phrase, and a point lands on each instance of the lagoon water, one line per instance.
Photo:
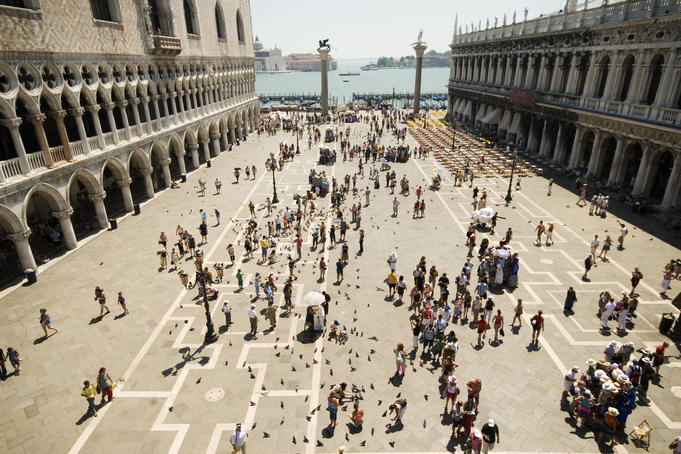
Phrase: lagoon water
(381, 81)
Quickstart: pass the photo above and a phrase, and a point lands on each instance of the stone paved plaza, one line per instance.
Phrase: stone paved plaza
(175, 395)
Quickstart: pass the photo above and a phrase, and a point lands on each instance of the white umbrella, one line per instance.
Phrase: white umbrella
(313, 298)
(483, 215)
(503, 253)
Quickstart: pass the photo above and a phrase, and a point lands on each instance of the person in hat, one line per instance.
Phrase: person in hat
(609, 425)
(238, 439)
(571, 377)
(610, 351)
(584, 410)
(490, 435)
(647, 373)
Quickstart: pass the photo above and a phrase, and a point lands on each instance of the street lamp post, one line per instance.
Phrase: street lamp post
(273, 166)
(297, 140)
(211, 335)
(508, 197)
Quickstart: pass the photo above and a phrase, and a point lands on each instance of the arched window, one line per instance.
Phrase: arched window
(655, 78)
(627, 74)
(240, 27)
(190, 18)
(603, 76)
(160, 17)
(220, 21)
(30, 4)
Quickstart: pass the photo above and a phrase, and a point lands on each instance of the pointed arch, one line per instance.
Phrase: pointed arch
(116, 167)
(9, 221)
(140, 158)
(220, 21)
(240, 28)
(88, 179)
(52, 196)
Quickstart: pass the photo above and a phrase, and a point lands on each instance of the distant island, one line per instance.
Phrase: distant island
(432, 59)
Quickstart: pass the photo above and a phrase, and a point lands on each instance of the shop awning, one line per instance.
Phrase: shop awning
(506, 120)
(493, 117)
(469, 109)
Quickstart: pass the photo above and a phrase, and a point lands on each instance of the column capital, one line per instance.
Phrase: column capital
(36, 118)
(65, 214)
(98, 196)
(201, 141)
(172, 94)
(57, 114)
(122, 104)
(147, 171)
(93, 108)
(108, 106)
(11, 123)
(214, 136)
(19, 236)
(154, 98)
(163, 96)
(145, 99)
(124, 182)
(135, 101)
(193, 147)
(166, 162)
(77, 112)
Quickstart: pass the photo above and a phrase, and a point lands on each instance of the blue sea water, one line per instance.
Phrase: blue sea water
(381, 81)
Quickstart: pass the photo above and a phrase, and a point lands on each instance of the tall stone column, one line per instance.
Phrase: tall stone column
(37, 122)
(13, 126)
(215, 141)
(324, 57)
(136, 115)
(163, 121)
(559, 148)
(58, 117)
(591, 75)
(615, 170)
(95, 120)
(157, 113)
(205, 149)
(571, 86)
(555, 76)
(167, 178)
(109, 106)
(194, 151)
(124, 115)
(643, 171)
(100, 209)
(78, 115)
(595, 154)
(127, 195)
(173, 108)
(672, 188)
(180, 162)
(420, 49)
(145, 105)
(545, 144)
(576, 147)
(148, 183)
(182, 111)
(66, 227)
(23, 248)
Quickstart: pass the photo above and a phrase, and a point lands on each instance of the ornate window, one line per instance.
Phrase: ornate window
(220, 21)
(655, 78)
(190, 18)
(106, 10)
(240, 27)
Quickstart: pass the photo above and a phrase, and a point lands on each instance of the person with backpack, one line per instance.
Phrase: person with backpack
(540, 229)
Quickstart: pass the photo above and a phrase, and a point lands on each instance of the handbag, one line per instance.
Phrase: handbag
(98, 389)
(501, 331)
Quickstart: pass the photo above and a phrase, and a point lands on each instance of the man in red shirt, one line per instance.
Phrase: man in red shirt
(299, 245)
(482, 326)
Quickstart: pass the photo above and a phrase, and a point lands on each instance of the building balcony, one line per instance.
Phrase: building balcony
(166, 45)
(652, 114)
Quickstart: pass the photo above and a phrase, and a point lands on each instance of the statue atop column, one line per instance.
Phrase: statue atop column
(324, 44)
(419, 38)
(496, 21)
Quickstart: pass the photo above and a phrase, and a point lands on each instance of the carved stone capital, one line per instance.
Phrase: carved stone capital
(193, 147)
(19, 236)
(57, 114)
(94, 108)
(122, 104)
(98, 196)
(11, 123)
(36, 118)
(65, 214)
(108, 106)
(124, 182)
(77, 112)
(214, 136)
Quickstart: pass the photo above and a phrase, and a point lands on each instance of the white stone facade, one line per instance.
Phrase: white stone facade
(606, 84)
(97, 115)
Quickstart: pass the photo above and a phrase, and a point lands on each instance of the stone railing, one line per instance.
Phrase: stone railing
(36, 160)
(108, 139)
(93, 142)
(77, 148)
(166, 45)
(603, 12)
(10, 168)
(638, 111)
(58, 153)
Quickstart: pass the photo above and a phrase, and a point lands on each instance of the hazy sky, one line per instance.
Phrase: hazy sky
(371, 28)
